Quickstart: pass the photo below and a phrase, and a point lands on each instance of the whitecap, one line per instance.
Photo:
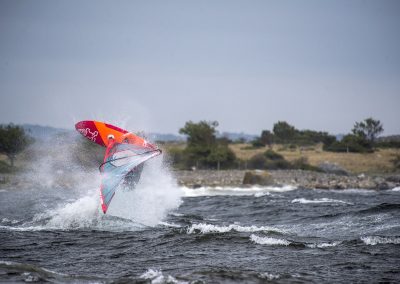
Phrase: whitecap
(261, 194)
(375, 240)
(396, 188)
(324, 245)
(321, 200)
(352, 191)
(268, 241)
(209, 228)
(256, 191)
(171, 225)
(157, 277)
(269, 276)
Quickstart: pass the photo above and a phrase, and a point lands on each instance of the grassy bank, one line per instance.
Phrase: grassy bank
(371, 163)
(377, 162)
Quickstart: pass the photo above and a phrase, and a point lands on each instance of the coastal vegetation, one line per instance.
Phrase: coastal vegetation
(203, 149)
(283, 147)
(13, 140)
(286, 147)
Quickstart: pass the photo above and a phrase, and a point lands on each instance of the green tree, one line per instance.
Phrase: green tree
(221, 155)
(267, 138)
(200, 134)
(350, 143)
(200, 140)
(368, 129)
(284, 131)
(203, 148)
(13, 140)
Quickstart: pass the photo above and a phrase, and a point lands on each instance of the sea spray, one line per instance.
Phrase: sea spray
(63, 161)
(66, 167)
(155, 195)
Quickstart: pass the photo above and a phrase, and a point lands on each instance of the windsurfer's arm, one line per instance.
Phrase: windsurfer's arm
(130, 138)
(110, 144)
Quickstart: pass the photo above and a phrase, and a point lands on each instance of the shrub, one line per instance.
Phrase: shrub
(272, 155)
(396, 162)
(302, 164)
(257, 162)
(350, 143)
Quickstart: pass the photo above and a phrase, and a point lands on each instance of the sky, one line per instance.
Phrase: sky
(153, 65)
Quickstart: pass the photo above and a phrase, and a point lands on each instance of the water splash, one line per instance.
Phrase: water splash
(155, 195)
(64, 170)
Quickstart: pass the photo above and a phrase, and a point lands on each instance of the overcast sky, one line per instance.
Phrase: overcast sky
(153, 65)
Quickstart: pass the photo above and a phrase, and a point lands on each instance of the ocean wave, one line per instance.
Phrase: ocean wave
(380, 208)
(24, 272)
(352, 191)
(209, 228)
(321, 200)
(157, 277)
(170, 225)
(324, 245)
(235, 191)
(376, 240)
(396, 188)
(269, 276)
(269, 241)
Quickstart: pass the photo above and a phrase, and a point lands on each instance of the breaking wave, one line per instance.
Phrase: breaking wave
(376, 240)
(235, 191)
(209, 228)
(324, 245)
(156, 276)
(321, 200)
(269, 241)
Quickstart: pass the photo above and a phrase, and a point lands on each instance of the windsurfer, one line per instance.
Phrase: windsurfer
(133, 177)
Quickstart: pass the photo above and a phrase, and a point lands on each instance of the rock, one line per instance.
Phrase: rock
(258, 177)
(333, 169)
(395, 179)
(383, 186)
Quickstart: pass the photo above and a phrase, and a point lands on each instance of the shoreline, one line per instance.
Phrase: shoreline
(245, 178)
(298, 178)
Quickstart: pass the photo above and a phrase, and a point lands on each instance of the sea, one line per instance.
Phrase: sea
(164, 233)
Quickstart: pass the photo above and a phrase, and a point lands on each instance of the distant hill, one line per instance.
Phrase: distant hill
(39, 132)
(233, 136)
(165, 137)
(390, 138)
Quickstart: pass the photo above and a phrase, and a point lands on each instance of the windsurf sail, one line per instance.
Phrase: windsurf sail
(119, 160)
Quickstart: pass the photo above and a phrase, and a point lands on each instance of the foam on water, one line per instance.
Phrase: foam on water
(324, 245)
(149, 203)
(156, 277)
(269, 276)
(235, 191)
(209, 228)
(268, 241)
(376, 240)
(321, 200)
(396, 188)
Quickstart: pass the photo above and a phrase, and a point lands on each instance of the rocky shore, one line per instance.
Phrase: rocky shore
(239, 178)
(298, 178)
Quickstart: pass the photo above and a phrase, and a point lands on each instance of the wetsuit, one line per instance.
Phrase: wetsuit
(133, 177)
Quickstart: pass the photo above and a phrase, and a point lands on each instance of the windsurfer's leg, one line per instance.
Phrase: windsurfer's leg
(133, 177)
